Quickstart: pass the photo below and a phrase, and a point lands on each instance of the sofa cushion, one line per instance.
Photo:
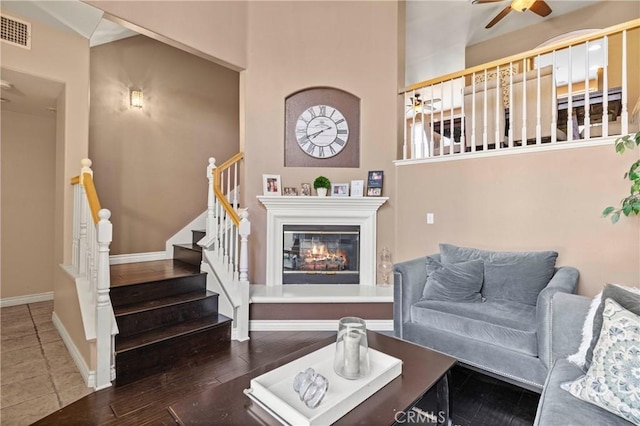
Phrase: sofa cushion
(559, 408)
(460, 282)
(627, 297)
(508, 324)
(513, 276)
(612, 381)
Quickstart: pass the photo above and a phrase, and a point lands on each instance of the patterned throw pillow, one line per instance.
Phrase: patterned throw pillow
(613, 380)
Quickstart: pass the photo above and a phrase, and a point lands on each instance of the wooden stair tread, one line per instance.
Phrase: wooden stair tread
(189, 246)
(163, 302)
(157, 270)
(127, 343)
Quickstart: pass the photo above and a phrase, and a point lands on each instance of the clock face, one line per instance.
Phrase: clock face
(322, 131)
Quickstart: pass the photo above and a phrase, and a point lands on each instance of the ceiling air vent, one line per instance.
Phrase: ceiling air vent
(16, 32)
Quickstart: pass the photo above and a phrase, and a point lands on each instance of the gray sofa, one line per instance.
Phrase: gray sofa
(558, 407)
(505, 338)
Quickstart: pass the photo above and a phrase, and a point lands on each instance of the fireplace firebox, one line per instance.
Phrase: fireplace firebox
(321, 254)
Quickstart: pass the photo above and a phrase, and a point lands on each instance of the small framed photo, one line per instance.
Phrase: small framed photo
(357, 188)
(271, 185)
(339, 189)
(305, 189)
(290, 191)
(374, 183)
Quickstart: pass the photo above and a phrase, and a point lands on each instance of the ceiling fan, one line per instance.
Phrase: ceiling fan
(539, 7)
(418, 105)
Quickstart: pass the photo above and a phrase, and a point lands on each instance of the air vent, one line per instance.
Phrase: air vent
(16, 32)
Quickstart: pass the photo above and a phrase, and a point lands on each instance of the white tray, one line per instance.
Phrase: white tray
(274, 392)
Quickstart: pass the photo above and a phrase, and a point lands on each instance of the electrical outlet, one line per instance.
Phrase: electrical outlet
(429, 218)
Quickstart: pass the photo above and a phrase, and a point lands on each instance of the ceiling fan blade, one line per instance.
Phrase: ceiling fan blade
(484, 1)
(541, 8)
(499, 16)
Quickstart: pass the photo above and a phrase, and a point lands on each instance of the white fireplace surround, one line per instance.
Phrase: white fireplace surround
(313, 210)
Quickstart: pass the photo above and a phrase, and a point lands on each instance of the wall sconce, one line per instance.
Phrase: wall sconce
(136, 98)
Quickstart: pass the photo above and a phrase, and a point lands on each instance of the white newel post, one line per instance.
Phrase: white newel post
(211, 199)
(244, 229)
(103, 305)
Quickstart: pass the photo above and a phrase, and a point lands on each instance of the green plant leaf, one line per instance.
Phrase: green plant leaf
(606, 212)
(629, 143)
(615, 218)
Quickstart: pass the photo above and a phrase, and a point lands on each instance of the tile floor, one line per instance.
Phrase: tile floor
(37, 374)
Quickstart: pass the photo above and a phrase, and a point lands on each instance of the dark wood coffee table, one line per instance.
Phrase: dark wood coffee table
(422, 370)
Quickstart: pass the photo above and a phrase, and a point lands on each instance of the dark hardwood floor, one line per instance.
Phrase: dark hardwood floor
(477, 399)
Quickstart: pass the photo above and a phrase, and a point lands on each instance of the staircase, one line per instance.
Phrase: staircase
(165, 313)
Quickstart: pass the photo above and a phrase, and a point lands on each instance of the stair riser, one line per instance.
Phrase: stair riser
(139, 322)
(126, 295)
(191, 257)
(197, 236)
(150, 359)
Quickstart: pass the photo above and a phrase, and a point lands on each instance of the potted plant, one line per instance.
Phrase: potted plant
(631, 204)
(321, 185)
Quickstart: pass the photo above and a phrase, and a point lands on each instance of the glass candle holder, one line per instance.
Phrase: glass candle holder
(352, 350)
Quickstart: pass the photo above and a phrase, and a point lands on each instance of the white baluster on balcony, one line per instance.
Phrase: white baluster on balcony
(423, 132)
(499, 110)
(624, 115)
(484, 119)
(431, 130)
(524, 103)
(570, 122)
(452, 137)
(414, 149)
(473, 112)
(554, 97)
(510, 130)
(605, 88)
(103, 305)
(463, 134)
(404, 125)
(538, 107)
(441, 143)
(587, 118)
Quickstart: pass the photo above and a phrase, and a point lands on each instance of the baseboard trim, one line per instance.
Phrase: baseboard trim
(313, 325)
(88, 375)
(118, 259)
(22, 300)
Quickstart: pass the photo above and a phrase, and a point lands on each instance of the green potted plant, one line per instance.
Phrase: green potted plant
(631, 204)
(321, 185)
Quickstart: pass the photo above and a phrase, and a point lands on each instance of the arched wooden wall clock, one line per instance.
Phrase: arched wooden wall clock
(322, 128)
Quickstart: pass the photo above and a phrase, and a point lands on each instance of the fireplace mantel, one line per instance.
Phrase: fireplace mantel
(310, 210)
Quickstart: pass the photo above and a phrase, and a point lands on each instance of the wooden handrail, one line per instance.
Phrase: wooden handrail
(92, 194)
(525, 55)
(217, 189)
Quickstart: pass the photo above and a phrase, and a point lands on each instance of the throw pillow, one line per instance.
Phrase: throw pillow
(627, 297)
(613, 380)
(453, 283)
(579, 358)
(513, 276)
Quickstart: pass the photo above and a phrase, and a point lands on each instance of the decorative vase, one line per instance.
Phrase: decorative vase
(385, 265)
(322, 192)
(352, 350)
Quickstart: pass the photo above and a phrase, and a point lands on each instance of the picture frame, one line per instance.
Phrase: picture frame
(305, 189)
(357, 188)
(374, 183)
(271, 185)
(290, 191)
(339, 189)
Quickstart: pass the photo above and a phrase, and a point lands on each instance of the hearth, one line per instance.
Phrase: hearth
(321, 254)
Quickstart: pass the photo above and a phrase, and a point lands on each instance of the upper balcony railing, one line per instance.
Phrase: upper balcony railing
(578, 90)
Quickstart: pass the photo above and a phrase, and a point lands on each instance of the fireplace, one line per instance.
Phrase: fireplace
(321, 254)
(309, 217)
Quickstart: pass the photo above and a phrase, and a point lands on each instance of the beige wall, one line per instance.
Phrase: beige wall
(216, 30)
(150, 163)
(293, 45)
(541, 201)
(28, 183)
(600, 15)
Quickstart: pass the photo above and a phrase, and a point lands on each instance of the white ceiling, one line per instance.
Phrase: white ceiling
(430, 25)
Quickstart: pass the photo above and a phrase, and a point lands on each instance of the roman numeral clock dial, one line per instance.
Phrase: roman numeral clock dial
(322, 131)
(322, 128)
